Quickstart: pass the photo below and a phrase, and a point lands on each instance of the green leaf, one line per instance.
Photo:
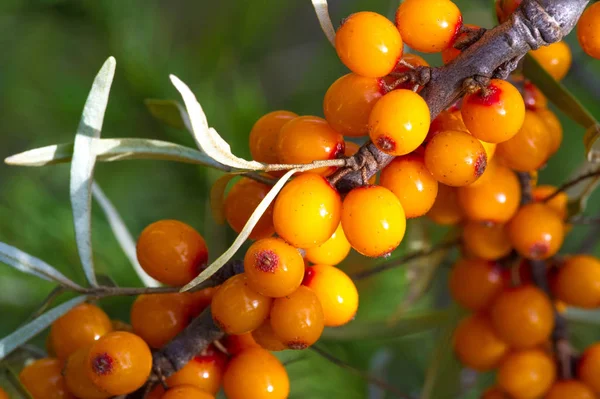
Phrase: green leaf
(169, 112)
(591, 140)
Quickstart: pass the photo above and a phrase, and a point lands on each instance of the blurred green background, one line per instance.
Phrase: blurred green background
(242, 59)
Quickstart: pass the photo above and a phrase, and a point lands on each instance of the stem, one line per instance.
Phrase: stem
(526, 187)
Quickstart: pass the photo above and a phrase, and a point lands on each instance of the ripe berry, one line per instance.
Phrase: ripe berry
(446, 209)
(399, 122)
(536, 231)
(298, 318)
(158, 318)
(307, 211)
(241, 201)
(204, 372)
(266, 338)
(504, 8)
(554, 128)
(373, 220)
(533, 97)
(186, 392)
(446, 120)
(571, 389)
(428, 26)
(409, 62)
(237, 308)
(587, 31)
(495, 114)
(273, 268)
(477, 345)
(589, 367)
(558, 203)
(332, 251)
(3, 394)
(43, 380)
(237, 343)
(78, 328)
(555, 59)
(77, 379)
(494, 393)
(522, 316)
(475, 283)
(414, 185)
(578, 281)
(486, 241)
(172, 252)
(368, 44)
(199, 300)
(450, 53)
(527, 374)
(263, 136)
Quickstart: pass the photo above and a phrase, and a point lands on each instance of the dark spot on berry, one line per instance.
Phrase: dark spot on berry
(338, 151)
(200, 263)
(539, 249)
(297, 345)
(103, 364)
(457, 30)
(266, 261)
(386, 143)
(487, 97)
(480, 164)
(309, 274)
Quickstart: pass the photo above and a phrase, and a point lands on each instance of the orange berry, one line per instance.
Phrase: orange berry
(587, 31)
(571, 389)
(156, 393)
(332, 251)
(486, 241)
(273, 268)
(263, 136)
(554, 129)
(536, 231)
(414, 185)
(558, 203)
(199, 300)
(533, 97)
(241, 201)
(368, 44)
(172, 252)
(257, 374)
(495, 114)
(77, 379)
(119, 363)
(266, 338)
(399, 122)
(446, 120)
(555, 59)
(373, 220)
(522, 316)
(3, 394)
(455, 158)
(527, 374)
(578, 281)
(78, 328)
(494, 393)
(504, 8)
(446, 209)
(158, 318)
(450, 53)
(475, 283)
(237, 343)
(298, 318)
(186, 392)
(477, 345)
(349, 101)
(589, 367)
(428, 26)
(237, 308)
(409, 62)
(43, 379)
(336, 292)
(203, 372)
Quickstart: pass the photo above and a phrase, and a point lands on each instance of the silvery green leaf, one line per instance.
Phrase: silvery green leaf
(591, 140)
(322, 11)
(170, 113)
(580, 193)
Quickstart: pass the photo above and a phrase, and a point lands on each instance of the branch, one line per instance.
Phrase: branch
(572, 183)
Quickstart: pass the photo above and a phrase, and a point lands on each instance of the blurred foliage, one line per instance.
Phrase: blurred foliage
(242, 59)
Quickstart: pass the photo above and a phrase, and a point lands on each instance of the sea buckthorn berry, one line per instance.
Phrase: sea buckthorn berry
(455, 158)
(186, 392)
(266, 338)
(256, 373)
(494, 393)
(495, 201)
(332, 251)
(78, 328)
(399, 122)
(477, 345)
(589, 367)
(77, 379)
(263, 136)
(533, 97)
(241, 202)
(446, 120)
(298, 318)
(414, 185)
(578, 281)
(490, 169)
(336, 292)
(373, 220)
(349, 101)
(3, 394)
(273, 267)
(587, 31)
(504, 8)
(450, 53)
(522, 316)
(199, 300)
(554, 129)
(428, 26)
(486, 241)
(571, 389)
(158, 318)
(43, 379)
(475, 283)
(307, 211)
(527, 374)
(172, 252)
(409, 62)
(237, 343)
(494, 114)
(555, 59)
(119, 363)
(536, 231)
(204, 372)
(368, 44)
(446, 210)
(558, 203)
(237, 308)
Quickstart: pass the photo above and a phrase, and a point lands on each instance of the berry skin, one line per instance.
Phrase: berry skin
(446, 209)
(486, 241)
(119, 363)
(368, 44)
(533, 97)
(373, 220)
(589, 367)
(455, 158)
(475, 283)
(158, 318)
(428, 26)
(263, 136)
(336, 292)
(273, 268)
(43, 380)
(414, 185)
(554, 128)
(477, 345)
(3, 394)
(78, 328)
(536, 231)
(504, 8)
(494, 393)
(77, 379)
(332, 251)
(587, 31)
(186, 392)
(266, 338)
(172, 252)
(204, 372)
(522, 316)
(558, 203)
(527, 374)
(241, 201)
(578, 282)
(199, 300)
(349, 101)
(399, 122)
(237, 308)
(298, 318)
(495, 114)
(555, 59)
(237, 343)
(571, 389)
(257, 374)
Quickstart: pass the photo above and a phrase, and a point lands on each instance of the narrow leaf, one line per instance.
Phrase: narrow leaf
(592, 143)
(580, 193)
(591, 316)
(122, 235)
(322, 11)
(217, 198)
(170, 113)
(29, 264)
(30, 330)
(52, 154)
(82, 165)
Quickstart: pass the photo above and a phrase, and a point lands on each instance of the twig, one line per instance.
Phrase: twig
(572, 183)
(525, 182)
